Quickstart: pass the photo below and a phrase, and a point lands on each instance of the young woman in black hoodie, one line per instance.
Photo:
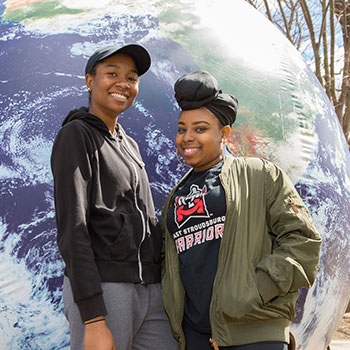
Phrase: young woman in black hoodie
(107, 231)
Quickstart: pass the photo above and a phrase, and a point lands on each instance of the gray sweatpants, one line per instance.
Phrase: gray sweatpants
(136, 317)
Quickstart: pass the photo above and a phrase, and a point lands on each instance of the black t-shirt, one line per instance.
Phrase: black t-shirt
(196, 219)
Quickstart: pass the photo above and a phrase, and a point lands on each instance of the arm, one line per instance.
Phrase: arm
(296, 242)
(71, 166)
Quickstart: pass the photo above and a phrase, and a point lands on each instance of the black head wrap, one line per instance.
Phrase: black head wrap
(201, 89)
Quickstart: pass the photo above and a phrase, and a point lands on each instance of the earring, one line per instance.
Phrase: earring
(89, 89)
(178, 158)
(223, 149)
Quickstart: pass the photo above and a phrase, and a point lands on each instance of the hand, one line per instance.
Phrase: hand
(98, 337)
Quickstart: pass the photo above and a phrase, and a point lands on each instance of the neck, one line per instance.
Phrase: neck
(110, 121)
(209, 164)
(111, 124)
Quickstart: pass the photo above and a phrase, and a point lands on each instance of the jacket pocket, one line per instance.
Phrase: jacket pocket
(125, 246)
(241, 300)
(245, 303)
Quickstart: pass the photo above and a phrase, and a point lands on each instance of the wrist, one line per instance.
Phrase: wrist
(95, 320)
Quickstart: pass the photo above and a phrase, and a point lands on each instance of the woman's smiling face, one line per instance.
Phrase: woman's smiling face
(113, 87)
(199, 138)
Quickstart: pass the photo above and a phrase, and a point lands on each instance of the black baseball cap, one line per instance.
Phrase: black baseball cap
(138, 53)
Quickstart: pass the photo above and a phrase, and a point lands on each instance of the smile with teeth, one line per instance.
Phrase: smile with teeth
(190, 151)
(116, 95)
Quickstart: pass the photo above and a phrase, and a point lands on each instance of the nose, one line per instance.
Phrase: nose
(122, 82)
(187, 136)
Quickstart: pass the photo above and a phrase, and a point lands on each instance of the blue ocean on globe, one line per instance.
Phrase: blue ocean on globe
(284, 116)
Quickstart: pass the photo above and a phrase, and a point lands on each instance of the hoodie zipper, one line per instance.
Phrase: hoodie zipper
(141, 164)
(143, 227)
(126, 146)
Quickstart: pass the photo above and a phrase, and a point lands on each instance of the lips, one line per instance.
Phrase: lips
(119, 96)
(190, 151)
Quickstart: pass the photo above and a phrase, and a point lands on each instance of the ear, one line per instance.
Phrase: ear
(89, 79)
(225, 132)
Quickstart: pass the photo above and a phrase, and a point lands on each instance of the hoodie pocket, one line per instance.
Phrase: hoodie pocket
(125, 246)
(152, 245)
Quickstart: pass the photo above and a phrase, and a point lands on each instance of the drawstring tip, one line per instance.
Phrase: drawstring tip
(213, 344)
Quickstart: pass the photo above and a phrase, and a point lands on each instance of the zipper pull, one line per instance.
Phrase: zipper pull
(213, 344)
(292, 204)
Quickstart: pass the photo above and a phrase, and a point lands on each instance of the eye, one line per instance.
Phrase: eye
(112, 74)
(181, 130)
(201, 129)
(133, 79)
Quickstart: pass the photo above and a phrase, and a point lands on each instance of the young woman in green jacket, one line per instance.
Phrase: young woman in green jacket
(239, 242)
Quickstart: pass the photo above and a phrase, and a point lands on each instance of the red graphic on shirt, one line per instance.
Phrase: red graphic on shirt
(192, 205)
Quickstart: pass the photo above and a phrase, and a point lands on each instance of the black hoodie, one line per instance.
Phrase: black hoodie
(106, 227)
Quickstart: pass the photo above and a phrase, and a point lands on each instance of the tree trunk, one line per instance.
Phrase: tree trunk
(342, 11)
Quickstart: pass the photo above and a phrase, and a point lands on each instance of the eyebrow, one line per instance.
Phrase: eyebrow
(116, 66)
(195, 123)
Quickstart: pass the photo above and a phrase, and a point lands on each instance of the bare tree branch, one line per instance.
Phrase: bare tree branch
(286, 26)
(315, 45)
(268, 12)
(324, 38)
(333, 97)
(342, 107)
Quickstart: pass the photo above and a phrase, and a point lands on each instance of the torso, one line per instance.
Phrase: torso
(196, 221)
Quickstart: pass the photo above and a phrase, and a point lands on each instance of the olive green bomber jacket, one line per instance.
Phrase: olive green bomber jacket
(269, 250)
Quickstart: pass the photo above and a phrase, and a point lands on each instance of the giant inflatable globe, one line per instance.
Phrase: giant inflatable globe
(284, 116)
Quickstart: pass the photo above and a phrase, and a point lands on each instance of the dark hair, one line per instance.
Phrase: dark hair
(93, 72)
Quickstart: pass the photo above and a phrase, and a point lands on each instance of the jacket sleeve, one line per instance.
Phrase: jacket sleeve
(71, 167)
(296, 243)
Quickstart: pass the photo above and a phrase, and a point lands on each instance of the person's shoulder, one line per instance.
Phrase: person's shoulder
(74, 130)
(246, 162)
(259, 163)
(253, 165)
(76, 125)
(74, 136)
